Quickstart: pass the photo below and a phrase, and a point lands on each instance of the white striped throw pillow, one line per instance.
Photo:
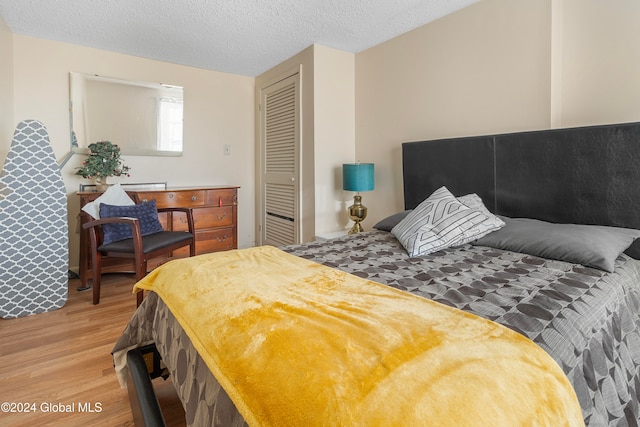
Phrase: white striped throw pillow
(438, 222)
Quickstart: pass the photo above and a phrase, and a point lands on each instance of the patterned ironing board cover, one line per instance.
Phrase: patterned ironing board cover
(34, 241)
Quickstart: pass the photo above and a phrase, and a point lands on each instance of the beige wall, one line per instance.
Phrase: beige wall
(334, 140)
(496, 66)
(218, 111)
(6, 88)
(599, 44)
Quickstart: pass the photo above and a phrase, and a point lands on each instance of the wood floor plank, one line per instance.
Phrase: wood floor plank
(58, 364)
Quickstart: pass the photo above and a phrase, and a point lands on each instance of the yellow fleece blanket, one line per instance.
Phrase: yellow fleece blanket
(296, 343)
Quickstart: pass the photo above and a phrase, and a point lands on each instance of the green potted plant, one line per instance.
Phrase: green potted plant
(102, 162)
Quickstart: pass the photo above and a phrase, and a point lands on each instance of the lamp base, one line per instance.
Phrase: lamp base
(357, 228)
(357, 213)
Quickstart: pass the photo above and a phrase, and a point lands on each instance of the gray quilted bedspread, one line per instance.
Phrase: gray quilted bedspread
(586, 319)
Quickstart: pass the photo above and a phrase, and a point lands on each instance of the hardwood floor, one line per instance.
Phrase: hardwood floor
(58, 364)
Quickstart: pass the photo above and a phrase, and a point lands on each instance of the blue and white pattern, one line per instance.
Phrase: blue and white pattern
(145, 212)
(34, 240)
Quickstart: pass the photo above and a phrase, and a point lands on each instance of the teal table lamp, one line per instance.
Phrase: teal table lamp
(357, 177)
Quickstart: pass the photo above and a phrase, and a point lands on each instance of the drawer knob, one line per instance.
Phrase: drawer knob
(221, 239)
(194, 198)
(171, 195)
(223, 216)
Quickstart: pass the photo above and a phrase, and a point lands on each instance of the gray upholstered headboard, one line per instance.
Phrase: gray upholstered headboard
(586, 175)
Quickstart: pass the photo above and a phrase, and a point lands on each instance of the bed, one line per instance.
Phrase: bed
(584, 317)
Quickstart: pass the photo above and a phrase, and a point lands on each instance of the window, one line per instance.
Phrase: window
(170, 124)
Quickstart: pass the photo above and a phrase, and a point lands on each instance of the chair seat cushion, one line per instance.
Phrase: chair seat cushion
(150, 242)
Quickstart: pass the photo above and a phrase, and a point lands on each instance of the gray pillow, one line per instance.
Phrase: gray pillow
(589, 245)
(391, 221)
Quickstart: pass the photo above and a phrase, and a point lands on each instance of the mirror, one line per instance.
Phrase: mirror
(142, 118)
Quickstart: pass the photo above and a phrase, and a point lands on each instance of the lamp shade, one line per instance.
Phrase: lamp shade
(357, 176)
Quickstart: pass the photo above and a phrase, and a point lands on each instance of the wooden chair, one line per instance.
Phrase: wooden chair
(139, 248)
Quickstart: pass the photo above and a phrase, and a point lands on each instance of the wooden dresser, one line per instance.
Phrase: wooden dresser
(215, 216)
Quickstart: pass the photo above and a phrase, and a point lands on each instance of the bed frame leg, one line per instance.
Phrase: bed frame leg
(144, 403)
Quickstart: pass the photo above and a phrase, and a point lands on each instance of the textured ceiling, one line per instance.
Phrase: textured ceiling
(243, 37)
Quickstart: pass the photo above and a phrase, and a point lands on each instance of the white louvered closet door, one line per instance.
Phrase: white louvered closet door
(280, 140)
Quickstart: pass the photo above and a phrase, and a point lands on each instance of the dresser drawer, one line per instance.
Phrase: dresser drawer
(204, 218)
(213, 217)
(222, 197)
(215, 240)
(171, 199)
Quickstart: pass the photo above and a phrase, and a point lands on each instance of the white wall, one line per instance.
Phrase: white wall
(218, 110)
